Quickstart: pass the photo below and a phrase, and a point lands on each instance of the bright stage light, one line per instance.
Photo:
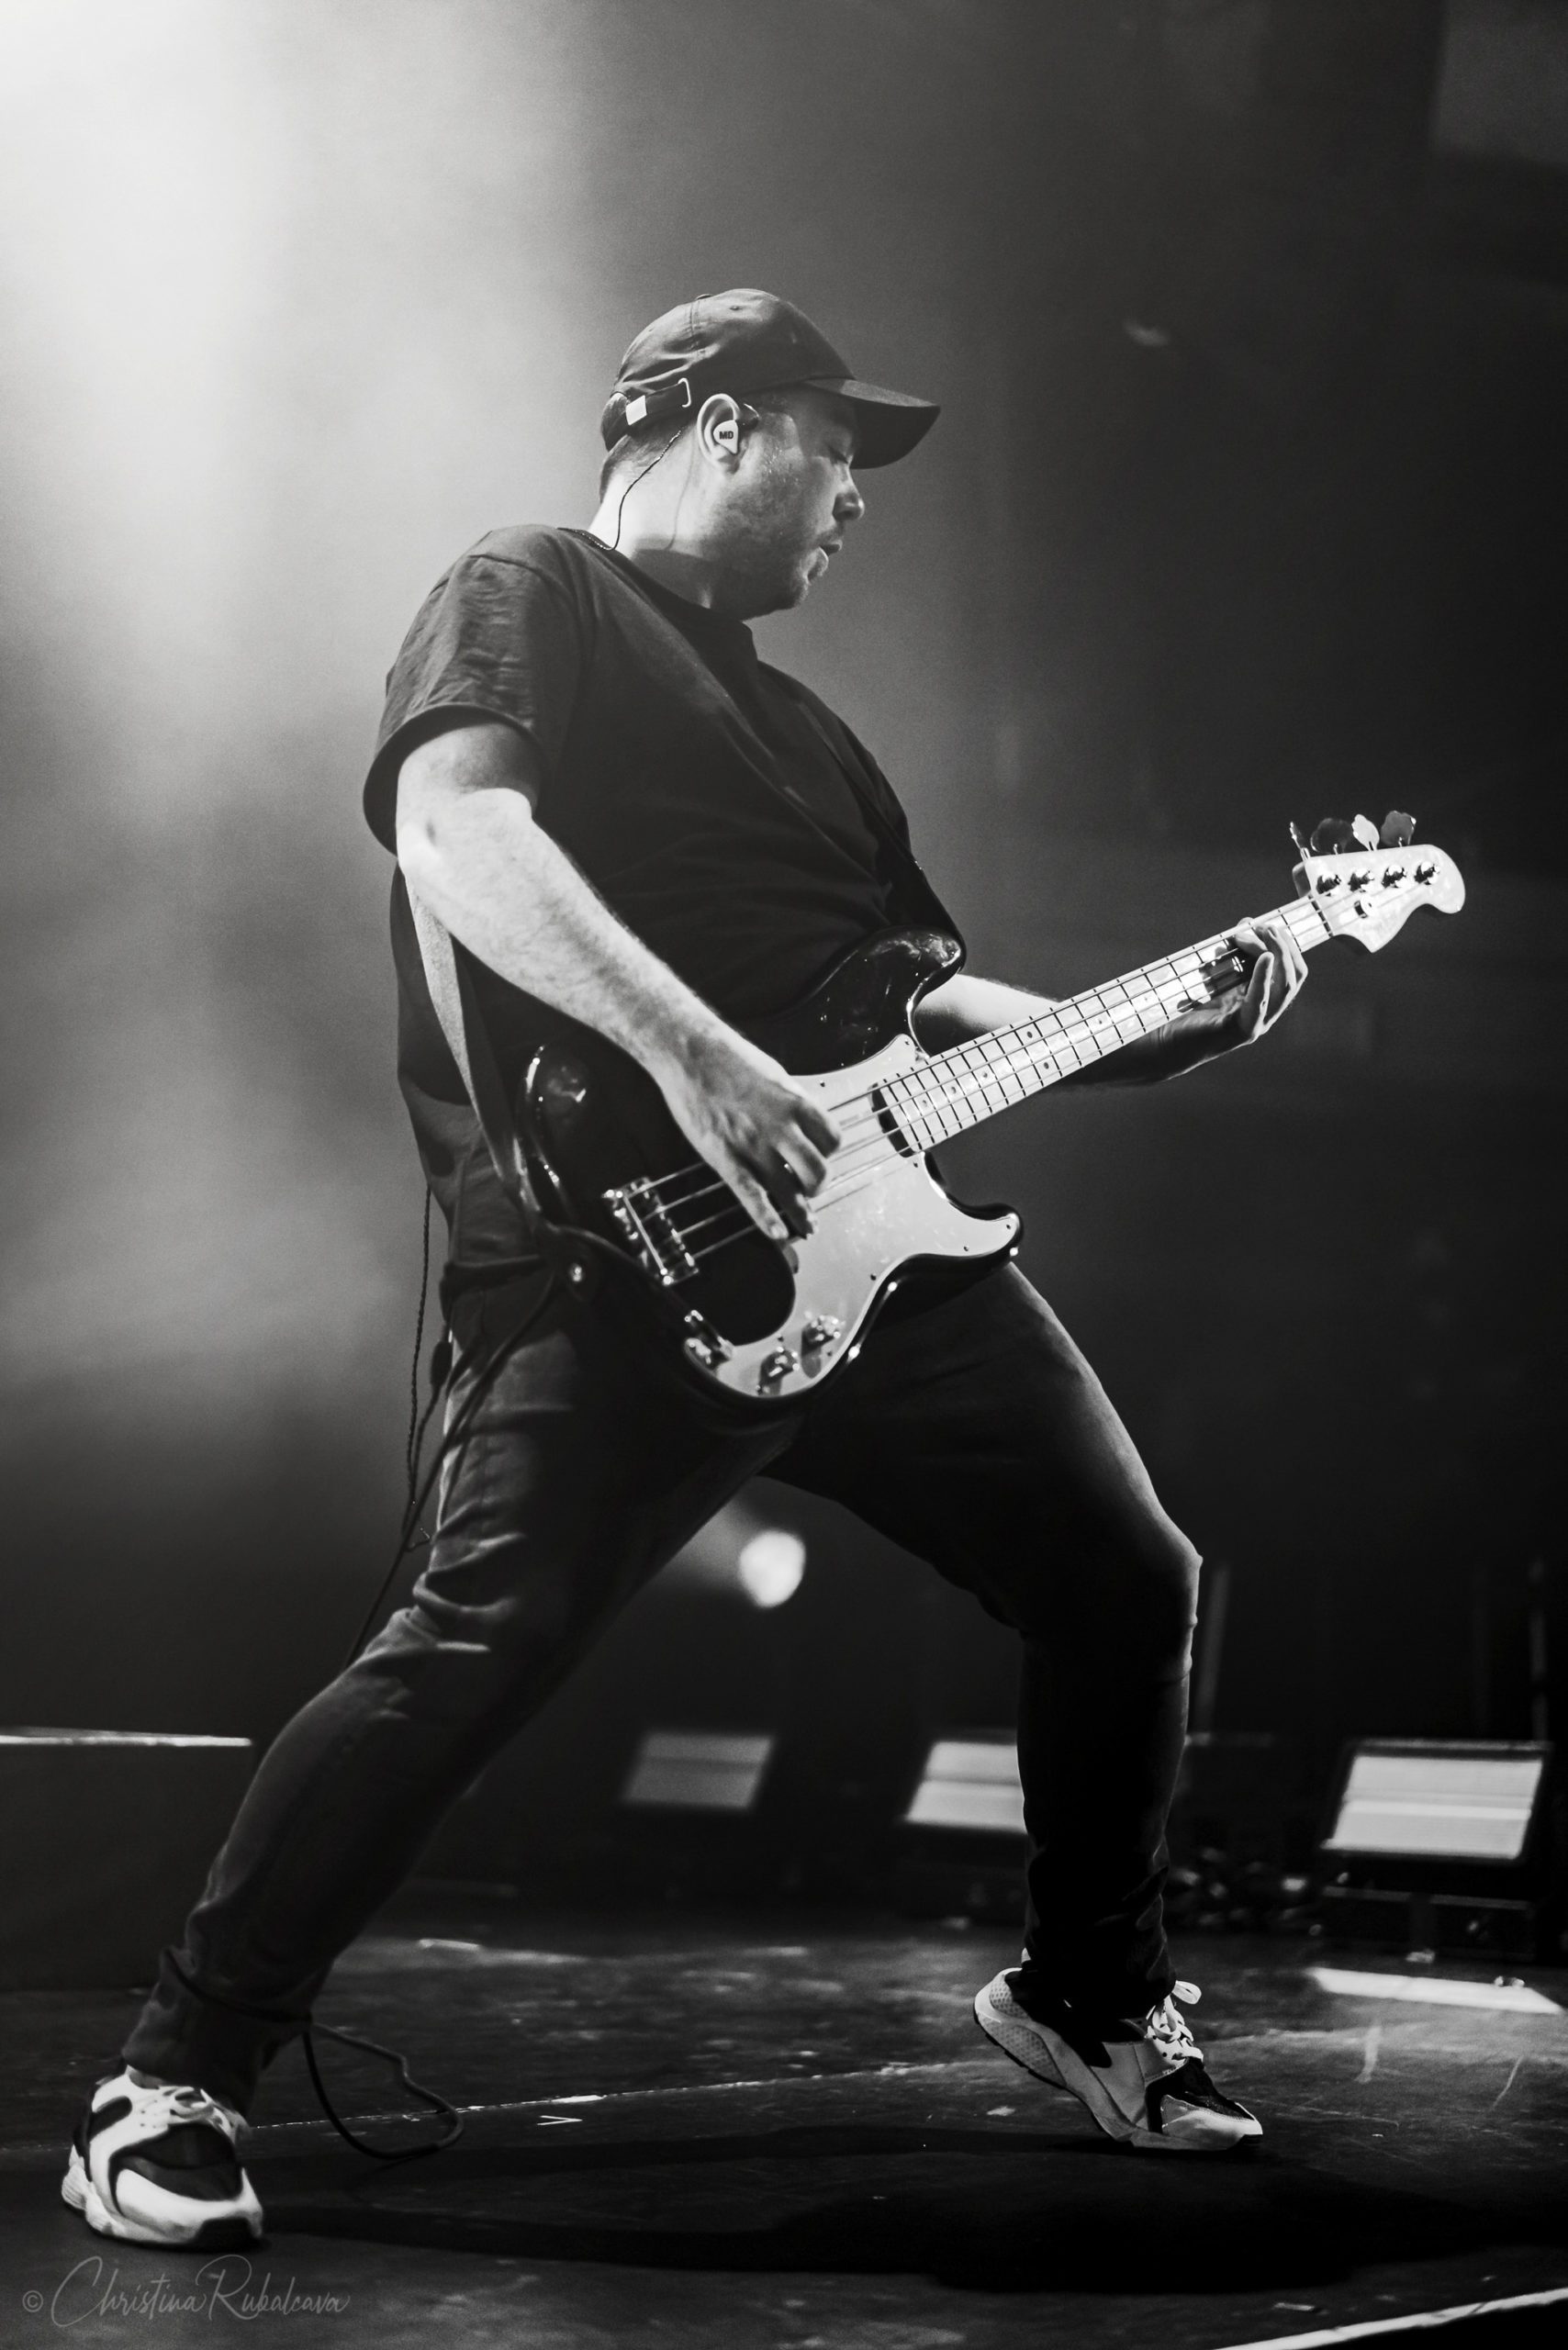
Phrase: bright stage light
(740, 1555)
(770, 1566)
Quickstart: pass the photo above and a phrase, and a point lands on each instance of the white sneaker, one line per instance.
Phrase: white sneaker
(158, 2166)
(1143, 2080)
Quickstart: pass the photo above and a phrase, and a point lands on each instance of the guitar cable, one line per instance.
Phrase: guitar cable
(443, 1370)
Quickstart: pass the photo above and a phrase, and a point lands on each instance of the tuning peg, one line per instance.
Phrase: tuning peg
(1332, 836)
(1397, 831)
(1365, 832)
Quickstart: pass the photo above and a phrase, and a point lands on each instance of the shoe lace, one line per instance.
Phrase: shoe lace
(175, 2103)
(1168, 2030)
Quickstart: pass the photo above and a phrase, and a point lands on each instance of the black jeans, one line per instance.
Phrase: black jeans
(972, 1432)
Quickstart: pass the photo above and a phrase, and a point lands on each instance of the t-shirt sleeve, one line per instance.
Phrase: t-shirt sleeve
(496, 638)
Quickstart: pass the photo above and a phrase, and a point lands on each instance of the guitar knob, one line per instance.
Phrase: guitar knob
(819, 1331)
(778, 1366)
(704, 1344)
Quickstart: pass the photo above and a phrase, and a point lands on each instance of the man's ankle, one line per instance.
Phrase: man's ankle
(1040, 1994)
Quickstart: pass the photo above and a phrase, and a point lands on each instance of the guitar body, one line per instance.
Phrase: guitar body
(762, 1322)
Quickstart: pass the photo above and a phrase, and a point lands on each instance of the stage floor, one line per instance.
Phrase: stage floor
(752, 2130)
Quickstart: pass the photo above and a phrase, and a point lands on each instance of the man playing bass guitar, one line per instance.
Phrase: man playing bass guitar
(634, 826)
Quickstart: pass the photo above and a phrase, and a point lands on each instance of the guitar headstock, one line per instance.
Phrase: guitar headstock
(1366, 881)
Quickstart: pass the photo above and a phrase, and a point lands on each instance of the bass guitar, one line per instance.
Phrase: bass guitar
(766, 1322)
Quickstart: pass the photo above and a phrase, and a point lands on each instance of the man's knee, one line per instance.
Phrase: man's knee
(460, 1664)
(1137, 1587)
(1173, 1598)
(1183, 1571)
(1142, 1592)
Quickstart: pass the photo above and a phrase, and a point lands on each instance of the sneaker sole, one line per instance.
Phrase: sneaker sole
(229, 2234)
(1018, 2040)
(1044, 2053)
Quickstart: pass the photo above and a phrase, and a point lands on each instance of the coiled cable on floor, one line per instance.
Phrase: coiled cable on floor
(432, 2097)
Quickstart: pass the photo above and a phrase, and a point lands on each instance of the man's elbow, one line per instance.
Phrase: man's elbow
(422, 827)
(445, 796)
(418, 852)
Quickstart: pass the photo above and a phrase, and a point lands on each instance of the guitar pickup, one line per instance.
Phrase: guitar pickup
(654, 1238)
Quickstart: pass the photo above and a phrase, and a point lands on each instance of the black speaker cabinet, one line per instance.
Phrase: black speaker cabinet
(106, 1837)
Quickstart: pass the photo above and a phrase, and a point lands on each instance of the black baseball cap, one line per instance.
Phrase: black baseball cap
(749, 341)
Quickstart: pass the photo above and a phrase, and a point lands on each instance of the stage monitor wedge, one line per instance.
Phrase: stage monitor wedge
(698, 1769)
(970, 1784)
(1458, 1802)
(105, 1838)
(961, 1841)
(1445, 1843)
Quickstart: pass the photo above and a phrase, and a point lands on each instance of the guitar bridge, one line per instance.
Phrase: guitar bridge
(655, 1238)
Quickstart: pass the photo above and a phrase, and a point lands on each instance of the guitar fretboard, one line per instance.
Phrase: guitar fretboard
(968, 1083)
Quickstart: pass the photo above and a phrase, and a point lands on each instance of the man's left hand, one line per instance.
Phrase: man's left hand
(1274, 969)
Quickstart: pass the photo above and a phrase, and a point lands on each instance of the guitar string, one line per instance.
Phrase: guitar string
(980, 1071)
(981, 1084)
(875, 1174)
(990, 1068)
(1071, 1024)
(982, 1074)
(832, 1195)
(983, 1061)
(834, 1192)
(990, 1078)
(684, 1233)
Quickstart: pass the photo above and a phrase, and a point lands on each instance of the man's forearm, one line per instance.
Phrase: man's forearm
(514, 898)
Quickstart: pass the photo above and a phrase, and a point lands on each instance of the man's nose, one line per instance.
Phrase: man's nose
(848, 506)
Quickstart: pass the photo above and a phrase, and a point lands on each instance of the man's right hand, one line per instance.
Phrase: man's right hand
(754, 1124)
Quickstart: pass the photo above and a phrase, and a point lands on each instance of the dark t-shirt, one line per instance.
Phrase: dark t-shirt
(721, 811)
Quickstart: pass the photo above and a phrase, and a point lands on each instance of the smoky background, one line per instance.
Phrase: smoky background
(1246, 504)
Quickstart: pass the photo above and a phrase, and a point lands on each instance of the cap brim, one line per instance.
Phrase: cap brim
(887, 424)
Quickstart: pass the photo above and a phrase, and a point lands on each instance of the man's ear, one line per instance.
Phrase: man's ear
(722, 424)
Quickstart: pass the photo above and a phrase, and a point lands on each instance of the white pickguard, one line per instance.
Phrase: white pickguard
(860, 1240)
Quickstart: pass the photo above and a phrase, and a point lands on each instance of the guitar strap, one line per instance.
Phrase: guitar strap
(920, 897)
(923, 905)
